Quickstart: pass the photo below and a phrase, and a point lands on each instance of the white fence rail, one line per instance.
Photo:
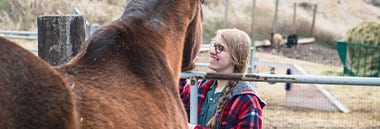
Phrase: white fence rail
(29, 35)
(310, 79)
(194, 76)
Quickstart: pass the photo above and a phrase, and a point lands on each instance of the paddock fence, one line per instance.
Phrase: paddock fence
(27, 35)
(32, 35)
(258, 77)
(310, 79)
(298, 77)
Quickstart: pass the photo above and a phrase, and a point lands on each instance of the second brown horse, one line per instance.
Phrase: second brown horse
(125, 75)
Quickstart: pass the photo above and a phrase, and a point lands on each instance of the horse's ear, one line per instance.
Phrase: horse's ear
(193, 41)
(190, 52)
(192, 45)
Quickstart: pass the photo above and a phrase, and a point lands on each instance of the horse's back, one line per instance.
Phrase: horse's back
(122, 91)
(32, 94)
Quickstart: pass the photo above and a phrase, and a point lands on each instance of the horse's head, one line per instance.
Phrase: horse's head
(193, 39)
(164, 20)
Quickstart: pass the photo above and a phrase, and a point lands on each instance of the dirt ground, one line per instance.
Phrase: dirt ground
(307, 52)
(363, 101)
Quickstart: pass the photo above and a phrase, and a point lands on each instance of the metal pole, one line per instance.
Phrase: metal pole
(28, 35)
(18, 32)
(314, 16)
(194, 101)
(294, 18)
(225, 13)
(253, 54)
(253, 18)
(19, 37)
(253, 49)
(370, 81)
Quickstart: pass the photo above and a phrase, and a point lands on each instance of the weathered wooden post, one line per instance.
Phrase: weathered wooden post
(314, 18)
(225, 20)
(253, 48)
(294, 18)
(274, 23)
(253, 18)
(60, 37)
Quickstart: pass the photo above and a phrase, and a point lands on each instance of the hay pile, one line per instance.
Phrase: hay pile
(363, 50)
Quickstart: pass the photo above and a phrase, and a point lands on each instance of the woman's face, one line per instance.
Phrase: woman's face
(220, 57)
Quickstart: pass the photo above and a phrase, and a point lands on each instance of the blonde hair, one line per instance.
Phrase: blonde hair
(239, 45)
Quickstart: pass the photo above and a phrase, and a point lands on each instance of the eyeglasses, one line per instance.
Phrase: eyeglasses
(218, 48)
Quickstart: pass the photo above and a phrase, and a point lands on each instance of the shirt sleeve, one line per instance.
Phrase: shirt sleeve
(183, 86)
(198, 126)
(250, 113)
(184, 90)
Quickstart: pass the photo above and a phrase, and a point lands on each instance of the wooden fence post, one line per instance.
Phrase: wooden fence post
(294, 18)
(253, 19)
(253, 48)
(60, 37)
(225, 13)
(313, 23)
(274, 23)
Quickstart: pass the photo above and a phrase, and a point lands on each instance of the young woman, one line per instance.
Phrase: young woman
(223, 103)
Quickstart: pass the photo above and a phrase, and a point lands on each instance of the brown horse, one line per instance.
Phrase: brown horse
(32, 94)
(125, 75)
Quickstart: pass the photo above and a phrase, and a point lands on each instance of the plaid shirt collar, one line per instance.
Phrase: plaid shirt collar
(244, 87)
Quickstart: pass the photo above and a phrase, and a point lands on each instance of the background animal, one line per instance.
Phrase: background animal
(292, 41)
(121, 78)
(275, 40)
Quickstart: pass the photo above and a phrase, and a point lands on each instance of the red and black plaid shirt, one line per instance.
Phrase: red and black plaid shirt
(242, 110)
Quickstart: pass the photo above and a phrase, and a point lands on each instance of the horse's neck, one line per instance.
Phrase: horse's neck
(163, 20)
(128, 47)
(153, 32)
